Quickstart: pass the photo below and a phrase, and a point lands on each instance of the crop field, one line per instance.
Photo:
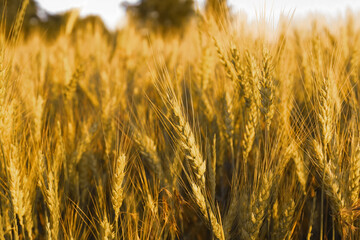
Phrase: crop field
(229, 130)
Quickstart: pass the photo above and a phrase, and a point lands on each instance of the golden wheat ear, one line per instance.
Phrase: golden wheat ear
(117, 191)
(19, 20)
(70, 23)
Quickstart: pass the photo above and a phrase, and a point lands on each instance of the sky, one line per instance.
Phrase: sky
(113, 14)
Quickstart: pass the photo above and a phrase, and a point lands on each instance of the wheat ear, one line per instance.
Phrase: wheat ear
(204, 209)
(117, 195)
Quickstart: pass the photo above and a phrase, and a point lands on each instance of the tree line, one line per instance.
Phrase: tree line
(158, 15)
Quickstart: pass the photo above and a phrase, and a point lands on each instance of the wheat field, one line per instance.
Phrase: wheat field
(229, 130)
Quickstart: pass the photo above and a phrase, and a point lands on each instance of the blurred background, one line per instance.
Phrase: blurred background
(163, 15)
